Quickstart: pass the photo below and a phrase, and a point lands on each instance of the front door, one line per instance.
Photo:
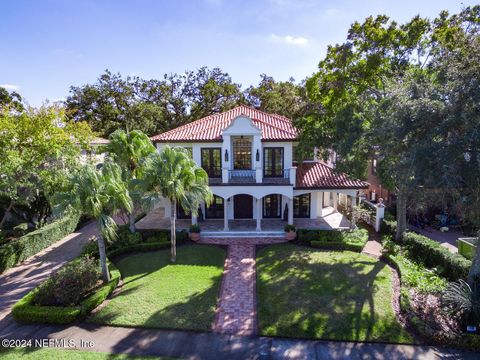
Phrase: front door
(243, 206)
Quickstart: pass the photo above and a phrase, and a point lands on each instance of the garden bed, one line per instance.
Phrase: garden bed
(354, 240)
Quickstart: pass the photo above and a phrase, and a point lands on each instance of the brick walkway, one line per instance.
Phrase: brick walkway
(236, 308)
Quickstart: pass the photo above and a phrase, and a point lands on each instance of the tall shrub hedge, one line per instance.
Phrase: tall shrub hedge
(15, 251)
(432, 254)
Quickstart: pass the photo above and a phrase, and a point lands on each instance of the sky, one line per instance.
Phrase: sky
(49, 45)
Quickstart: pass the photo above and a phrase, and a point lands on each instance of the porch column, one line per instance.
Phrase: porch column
(335, 201)
(225, 214)
(290, 211)
(353, 203)
(259, 214)
(194, 219)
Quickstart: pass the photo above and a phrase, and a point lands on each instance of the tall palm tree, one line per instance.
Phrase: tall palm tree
(99, 194)
(128, 149)
(173, 174)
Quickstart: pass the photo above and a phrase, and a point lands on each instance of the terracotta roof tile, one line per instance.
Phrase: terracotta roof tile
(273, 126)
(318, 175)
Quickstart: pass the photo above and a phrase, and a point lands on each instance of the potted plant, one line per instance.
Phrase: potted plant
(290, 232)
(194, 232)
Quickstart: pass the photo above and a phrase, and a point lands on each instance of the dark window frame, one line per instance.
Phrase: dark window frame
(215, 210)
(299, 202)
(238, 144)
(279, 207)
(273, 162)
(212, 170)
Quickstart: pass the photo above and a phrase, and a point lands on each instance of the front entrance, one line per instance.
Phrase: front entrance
(243, 206)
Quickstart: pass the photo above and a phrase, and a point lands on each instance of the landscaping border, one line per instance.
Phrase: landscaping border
(18, 250)
(25, 311)
(334, 240)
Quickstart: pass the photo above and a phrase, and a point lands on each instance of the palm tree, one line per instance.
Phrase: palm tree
(173, 174)
(99, 194)
(128, 149)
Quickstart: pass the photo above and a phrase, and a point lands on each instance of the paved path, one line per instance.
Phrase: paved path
(18, 281)
(206, 346)
(373, 246)
(236, 308)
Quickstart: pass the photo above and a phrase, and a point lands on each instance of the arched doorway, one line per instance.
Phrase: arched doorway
(243, 206)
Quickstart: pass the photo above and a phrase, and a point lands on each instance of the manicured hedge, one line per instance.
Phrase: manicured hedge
(150, 246)
(25, 310)
(388, 227)
(432, 254)
(327, 239)
(15, 251)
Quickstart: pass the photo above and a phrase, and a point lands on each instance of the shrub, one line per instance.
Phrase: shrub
(26, 311)
(195, 228)
(289, 227)
(343, 240)
(388, 227)
(182, 236)
(139, 248)
(15, 251)
(162, 237)
(432, 254)
(70, 284)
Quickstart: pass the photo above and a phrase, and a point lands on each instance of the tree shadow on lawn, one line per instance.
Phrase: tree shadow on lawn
(330, 298)
(178, 306)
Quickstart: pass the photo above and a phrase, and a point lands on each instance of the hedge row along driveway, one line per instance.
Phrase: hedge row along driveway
(160, 294)
(306, 293)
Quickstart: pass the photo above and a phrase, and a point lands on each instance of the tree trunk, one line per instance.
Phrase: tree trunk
(475, 268)
(401, 214)
(173, 231)
(103, 259)
(131, 219)
(7, 211)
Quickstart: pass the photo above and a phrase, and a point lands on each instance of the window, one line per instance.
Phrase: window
(215, 210)
(273, 162)
(211, 162)
(301, 206)
(374, 166)
(242, 154)
(272, 206)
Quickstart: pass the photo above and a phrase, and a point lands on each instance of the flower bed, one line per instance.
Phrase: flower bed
(26, 311)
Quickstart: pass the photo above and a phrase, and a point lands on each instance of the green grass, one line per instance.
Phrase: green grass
(159, 294)
(62, 354)
(302, 292)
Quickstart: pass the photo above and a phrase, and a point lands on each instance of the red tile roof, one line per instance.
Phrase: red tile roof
(317, 175)
(273, 126)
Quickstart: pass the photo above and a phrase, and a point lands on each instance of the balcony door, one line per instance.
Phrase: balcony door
(242, 153)
(273, 162)
(211, 162)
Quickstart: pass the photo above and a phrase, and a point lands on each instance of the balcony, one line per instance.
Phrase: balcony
(242, 176)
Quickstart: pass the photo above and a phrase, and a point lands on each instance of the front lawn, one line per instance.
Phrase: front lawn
(303, 292)
(63, 354)
(159, 294)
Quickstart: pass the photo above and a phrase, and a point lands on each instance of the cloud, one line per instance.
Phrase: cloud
(289, 39)
(11, 87)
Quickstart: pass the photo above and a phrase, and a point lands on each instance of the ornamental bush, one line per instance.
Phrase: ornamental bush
(15, 251)
(433, 255)
(70, 285)
(343, 240)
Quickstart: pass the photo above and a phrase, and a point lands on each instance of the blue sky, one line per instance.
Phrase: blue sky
(49, 45)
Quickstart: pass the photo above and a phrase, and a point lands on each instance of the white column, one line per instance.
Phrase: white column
(290, 211)
(225, 214)
(293, 175)
(226, 164)
(259, 214)
(335, 201)
(379, 215)
(194, 219)
(257, 146)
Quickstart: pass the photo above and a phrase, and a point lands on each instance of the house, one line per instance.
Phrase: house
(375, 189)
(249, 158)
(95, 154)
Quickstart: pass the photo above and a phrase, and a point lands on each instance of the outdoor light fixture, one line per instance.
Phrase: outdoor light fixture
(257, 156)
(226, 155)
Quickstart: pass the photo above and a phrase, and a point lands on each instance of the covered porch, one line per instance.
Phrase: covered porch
(330, 219)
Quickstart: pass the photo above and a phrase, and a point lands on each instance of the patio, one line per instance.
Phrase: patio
(329, 220)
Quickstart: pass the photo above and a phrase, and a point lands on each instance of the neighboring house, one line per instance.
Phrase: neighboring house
(248, 155)
(95, 155)
(375, 189)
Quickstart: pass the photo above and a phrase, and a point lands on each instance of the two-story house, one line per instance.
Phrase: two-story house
(249, 157)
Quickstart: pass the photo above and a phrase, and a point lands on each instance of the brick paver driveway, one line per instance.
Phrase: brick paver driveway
(236, 309)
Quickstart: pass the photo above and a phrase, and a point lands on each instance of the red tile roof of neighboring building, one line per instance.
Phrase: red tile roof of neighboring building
(318, 175)
(273, 126)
